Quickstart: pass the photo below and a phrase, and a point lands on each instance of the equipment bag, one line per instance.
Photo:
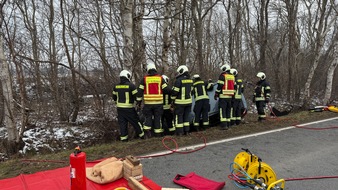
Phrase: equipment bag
(195, 182)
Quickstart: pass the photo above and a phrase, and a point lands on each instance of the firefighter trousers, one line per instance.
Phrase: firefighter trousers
(125, 116)
(153, 114)
(167, 122)
(236, 112)
(201, 110)
(260, 110)
(225, 111)
(182, 120)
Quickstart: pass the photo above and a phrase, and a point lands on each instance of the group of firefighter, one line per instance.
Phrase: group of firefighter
(166, 110)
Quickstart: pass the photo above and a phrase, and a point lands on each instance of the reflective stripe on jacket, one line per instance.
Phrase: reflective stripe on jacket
(152, 89)
(229, 85)
(199, 90)
(262, 91)
(124, 94)
(181, 93)
(239, 88)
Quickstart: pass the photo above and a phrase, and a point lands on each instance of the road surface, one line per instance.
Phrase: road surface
(291, 152)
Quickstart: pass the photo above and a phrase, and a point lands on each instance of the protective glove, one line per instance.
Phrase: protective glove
(253, 99)
(138, 105)
(215, 96)
(172, 107)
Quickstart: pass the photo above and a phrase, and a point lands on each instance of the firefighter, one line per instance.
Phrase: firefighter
(151, 90)
(262, 95)
(182, 100)
(225, 92)
(202, 106)
(237, 101)
(124, 94)
(167, 117)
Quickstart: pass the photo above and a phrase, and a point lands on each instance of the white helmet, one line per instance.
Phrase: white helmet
(261, 75)
(182, 69)
(165, 78)
(234, 72)
(150, 66)
(225, 67)
(125, 73)
(196, 76)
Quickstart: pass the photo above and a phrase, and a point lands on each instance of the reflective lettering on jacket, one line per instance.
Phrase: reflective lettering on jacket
(182, 91)
(153, 90)
(124, 94)
(199, 91)
(239, 88)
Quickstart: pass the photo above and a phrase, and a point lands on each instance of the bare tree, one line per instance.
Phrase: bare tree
(139, 44)
(322, 24)
(166, 37)
(28, 12)
(127, 21)
(293, 79)
(9, 114)
(331, 70)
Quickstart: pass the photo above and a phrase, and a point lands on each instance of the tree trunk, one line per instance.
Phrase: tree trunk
(53, 78)
(166, 37)
(9, 118)
(330, 72)
(292, 7)
(127, 21)
(75, 93)
(139, 44)
(320, 33)
(263, 32)
(197, 18)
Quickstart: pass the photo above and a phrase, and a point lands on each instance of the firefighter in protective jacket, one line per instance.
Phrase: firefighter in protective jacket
(237, 101)
(124, 94)
(202, 106)
(262, 95)
(225, 92)
(182, 100)
(168, 116)
(151, 90)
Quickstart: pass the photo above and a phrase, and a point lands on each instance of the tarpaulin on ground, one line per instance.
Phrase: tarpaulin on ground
(59, 179)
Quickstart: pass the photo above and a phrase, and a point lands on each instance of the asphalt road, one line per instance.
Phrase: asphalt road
(291, 152)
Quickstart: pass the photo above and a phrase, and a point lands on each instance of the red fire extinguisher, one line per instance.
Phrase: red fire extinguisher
(78, 170)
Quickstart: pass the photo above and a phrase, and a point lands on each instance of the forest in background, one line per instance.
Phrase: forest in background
(54, 53)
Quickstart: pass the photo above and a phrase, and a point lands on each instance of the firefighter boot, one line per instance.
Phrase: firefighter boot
(147, 133)
(224, 126)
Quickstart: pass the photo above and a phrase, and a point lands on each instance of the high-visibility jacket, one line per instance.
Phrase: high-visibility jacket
(151, 89)
(181, 92)
(262, 91)
(124, 94)
(239, 88)
(226, 85)
(200, 89)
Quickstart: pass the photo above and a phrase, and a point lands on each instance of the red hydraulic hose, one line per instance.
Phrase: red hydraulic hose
(310, 178)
